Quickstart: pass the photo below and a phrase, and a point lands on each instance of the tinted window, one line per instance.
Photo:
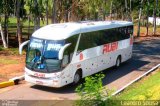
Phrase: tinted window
(87, 40)
(73, 40)
(101, 37)
(68, 53)
(130, 30)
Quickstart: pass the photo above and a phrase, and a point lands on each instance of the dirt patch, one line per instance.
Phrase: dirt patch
(11, 66)
(142, 39)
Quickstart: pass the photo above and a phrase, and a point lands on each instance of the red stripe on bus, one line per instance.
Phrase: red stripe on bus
(81, 56)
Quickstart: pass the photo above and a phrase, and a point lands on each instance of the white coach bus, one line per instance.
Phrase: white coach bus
(59, 54)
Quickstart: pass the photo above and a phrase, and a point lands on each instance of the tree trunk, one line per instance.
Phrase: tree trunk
(126, 7)
(111, 10)
(147, 17)
(154, 17)
(19, 29)
(3, 37)
(47, 11)
(6, 28)
(104, 10)
(122, 17)
(7, 36)
(66, 15)
(96, 16)
(37, 16)
(139, 20)
(54, 12)
(38, 22)
(130, 7)
(130, 10)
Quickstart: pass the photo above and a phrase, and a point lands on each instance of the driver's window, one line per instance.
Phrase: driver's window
(37, 56)
(30, 55)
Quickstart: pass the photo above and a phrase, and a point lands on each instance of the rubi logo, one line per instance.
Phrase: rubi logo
(110, 47)
(39, 74)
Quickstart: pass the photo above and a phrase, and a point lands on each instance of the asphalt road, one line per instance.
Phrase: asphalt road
(145, 55)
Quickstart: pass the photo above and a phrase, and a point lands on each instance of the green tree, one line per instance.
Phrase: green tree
(6, 9)
(35, 10)
(1, 29)
(20, 12)
(155, 10)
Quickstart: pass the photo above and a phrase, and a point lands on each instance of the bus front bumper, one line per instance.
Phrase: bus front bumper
(42, 81)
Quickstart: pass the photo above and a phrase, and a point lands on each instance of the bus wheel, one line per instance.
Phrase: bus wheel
(118, 61)
(77, 77)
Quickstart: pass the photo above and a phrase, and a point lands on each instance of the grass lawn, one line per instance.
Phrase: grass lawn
(7, 61)
(9, 51)
(4, 53)
(11, 63)
(145, 89)
(13, 22)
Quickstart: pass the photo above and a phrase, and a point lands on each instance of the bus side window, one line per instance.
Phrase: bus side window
(68, 53)
(130, 30)
(90, 40)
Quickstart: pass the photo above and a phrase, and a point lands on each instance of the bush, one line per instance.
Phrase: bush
(92, 91)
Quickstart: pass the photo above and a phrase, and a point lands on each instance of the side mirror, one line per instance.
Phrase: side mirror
(22, 45)
(60, 56)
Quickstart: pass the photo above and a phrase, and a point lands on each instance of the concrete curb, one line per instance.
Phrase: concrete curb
(137, 79)
(17, 79)
(133, 81)
(6, 84)
(11, 82)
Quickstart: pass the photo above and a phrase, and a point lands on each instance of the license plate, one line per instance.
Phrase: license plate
(39, 82)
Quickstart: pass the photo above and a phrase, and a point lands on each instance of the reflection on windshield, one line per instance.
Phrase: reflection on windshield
(52, 49)
(42, 55)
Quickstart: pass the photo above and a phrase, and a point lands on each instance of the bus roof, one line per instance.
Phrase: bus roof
(62, 31)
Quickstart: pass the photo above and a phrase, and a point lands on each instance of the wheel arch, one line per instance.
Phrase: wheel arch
(80, 71)
(119, 56)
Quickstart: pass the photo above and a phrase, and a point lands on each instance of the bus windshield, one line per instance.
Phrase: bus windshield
(43, 55)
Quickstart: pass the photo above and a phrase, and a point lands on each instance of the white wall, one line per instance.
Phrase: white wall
(150, 19)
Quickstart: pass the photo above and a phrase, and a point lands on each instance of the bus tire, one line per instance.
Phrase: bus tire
(77, 77)
(118, 61)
